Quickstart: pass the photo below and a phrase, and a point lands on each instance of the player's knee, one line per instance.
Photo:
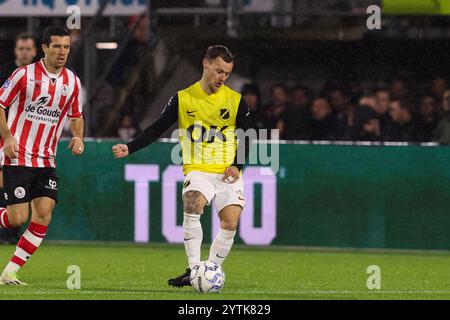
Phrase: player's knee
(193, 202)
(42, 217)
(229, 225)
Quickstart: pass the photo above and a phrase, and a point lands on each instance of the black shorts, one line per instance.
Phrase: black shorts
(23, 184)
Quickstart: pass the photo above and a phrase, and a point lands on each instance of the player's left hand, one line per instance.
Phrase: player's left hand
(231, 175)
(76, 145)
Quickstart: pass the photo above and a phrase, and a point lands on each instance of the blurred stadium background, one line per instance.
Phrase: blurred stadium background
(131, 63)
(312, 69)
(364, 117)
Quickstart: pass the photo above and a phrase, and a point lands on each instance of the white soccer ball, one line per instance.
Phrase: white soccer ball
(208, 277)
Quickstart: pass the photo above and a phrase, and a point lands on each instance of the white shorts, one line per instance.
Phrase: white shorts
(214, 189)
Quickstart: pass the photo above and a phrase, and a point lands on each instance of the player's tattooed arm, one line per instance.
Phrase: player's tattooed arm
(10, 147)
(168, 117)
(77, 129)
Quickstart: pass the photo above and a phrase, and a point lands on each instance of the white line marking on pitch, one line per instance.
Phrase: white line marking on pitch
(80, 292)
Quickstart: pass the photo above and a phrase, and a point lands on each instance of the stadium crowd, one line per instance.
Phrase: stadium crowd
(406, 109)
(402, 111)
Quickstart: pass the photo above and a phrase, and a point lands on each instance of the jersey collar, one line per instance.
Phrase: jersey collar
(49, 74)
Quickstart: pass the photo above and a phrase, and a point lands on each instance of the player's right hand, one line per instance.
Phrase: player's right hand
(11, 148)
(120, 151)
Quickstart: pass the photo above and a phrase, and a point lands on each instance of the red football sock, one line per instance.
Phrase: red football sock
(4, 222)
(27, 245)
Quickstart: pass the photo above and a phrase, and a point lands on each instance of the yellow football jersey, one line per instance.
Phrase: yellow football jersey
(207, 126)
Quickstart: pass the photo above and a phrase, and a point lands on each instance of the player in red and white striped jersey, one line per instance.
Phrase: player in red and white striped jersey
(38, 102)
(40, 97)
(24, 54)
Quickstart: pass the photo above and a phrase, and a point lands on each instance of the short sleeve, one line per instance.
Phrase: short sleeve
(11, 88)
(76, 109)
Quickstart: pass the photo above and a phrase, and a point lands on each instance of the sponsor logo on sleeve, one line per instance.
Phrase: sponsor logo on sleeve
(7, 84)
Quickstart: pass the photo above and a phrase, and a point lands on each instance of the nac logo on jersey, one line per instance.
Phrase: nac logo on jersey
(224, 114)
(40, 111)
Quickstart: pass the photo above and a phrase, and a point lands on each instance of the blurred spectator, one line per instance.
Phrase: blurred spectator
(427, 119)
(75, 61)
(382, 102)
(294, 121)
(341, 103)
(279, 102)
(446, 101)
(24, 53)
(367, 124)
(340, 99)
(356, 90)
(133, 78)
(399, 89)
(252, 96)
(133, 52)
(367, 100)
(127, 129)
(403, 127)
(323, 120)
(442, 131)
(438, 87)
(301, 97)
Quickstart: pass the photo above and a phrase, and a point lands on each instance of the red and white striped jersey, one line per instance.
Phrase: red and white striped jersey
(38, 104)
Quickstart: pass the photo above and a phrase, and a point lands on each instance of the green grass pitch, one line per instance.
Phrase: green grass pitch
(120, 271)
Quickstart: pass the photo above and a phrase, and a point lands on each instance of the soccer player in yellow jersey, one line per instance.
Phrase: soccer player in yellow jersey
(208, 113)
